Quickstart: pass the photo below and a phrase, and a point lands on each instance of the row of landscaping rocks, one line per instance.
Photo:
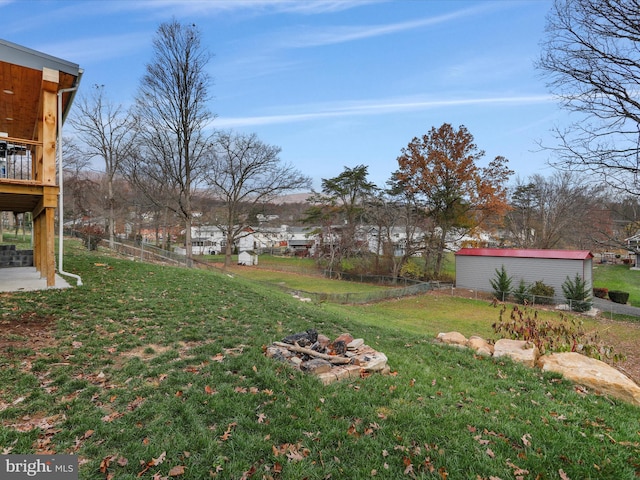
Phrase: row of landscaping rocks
(588, 372)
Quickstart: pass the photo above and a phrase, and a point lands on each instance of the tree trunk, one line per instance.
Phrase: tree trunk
(228, 250)
(112, 215)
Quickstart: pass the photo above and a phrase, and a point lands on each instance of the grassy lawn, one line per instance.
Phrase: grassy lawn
(305, 283)
(148, 371)
(618, 277)
(20, 241)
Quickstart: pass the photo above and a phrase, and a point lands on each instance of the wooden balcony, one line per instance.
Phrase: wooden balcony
(30, 84)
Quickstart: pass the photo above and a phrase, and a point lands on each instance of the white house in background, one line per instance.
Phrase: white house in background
(247, 241)
(300, 239)
(476, 267)
(206, 239)
(397, 236)
(209, 239)
(633, 245)
(285, 237)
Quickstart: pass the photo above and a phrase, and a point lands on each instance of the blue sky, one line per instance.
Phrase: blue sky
(333, 83)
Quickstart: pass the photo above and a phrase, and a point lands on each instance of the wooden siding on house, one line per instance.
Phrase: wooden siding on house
(475, 268)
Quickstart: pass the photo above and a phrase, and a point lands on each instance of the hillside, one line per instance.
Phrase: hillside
(149, 371)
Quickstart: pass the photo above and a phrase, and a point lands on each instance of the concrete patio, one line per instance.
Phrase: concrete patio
(19, 279)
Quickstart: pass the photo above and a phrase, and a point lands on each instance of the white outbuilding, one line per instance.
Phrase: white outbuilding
(476, 267)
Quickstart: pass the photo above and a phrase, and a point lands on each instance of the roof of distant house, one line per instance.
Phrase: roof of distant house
(526, 253)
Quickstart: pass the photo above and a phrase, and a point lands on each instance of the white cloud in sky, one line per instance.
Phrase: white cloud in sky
(341, 34)
(377, 108)
(214, 7)
(93, 49)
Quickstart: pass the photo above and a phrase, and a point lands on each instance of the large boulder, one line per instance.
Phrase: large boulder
(452, 338)
(593, 374)
(518, 350)
(480, 345)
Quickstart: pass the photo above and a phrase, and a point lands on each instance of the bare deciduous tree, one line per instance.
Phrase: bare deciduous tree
(555, 212)
(173, 117)
(591, 54)
(106, 131)
(245, 172)
(401, 222)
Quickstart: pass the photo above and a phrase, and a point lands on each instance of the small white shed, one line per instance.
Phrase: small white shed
(476, 267)
(246, 258)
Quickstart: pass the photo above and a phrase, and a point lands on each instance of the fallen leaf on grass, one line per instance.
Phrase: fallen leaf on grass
(154, 462)
(295, 456)
(293, 452)
(516, 469)
(111, 417)
(136, 403)
(209, 390)
(176, 471)
(105, 462)
(408, 467)
(227, 434)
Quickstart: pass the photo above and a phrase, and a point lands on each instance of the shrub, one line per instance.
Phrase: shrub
(542, 293)
(501, 284)
(577, 293)
(411, 270)
(91, 236)
(618, 296)
(600, 292)
(522, 293)
(564, 335)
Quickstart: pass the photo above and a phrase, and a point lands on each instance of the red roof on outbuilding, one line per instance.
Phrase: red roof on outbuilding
(526, 253)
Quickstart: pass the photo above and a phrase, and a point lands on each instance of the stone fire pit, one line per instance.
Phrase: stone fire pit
(330, 361)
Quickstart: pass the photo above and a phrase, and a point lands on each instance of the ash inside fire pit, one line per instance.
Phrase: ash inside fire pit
(344, 357)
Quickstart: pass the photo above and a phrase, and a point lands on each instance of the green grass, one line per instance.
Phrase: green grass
(20, 241)
(154, 362)
(306, 283)
(618, 277)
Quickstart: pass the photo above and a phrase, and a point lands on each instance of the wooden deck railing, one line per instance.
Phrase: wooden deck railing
(16, 158)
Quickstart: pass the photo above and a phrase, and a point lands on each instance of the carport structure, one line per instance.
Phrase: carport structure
(35, 90)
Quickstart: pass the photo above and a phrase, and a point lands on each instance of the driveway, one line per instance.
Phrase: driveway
(607, 306)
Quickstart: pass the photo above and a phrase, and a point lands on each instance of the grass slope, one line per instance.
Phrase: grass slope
(618, 277)
(150, 370)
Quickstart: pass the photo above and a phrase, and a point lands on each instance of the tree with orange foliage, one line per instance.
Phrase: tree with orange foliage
(441, 170)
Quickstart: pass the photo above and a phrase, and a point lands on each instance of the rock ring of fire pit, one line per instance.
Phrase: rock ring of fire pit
(330, 361)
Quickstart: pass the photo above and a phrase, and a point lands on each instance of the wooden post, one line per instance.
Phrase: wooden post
(44, 170)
